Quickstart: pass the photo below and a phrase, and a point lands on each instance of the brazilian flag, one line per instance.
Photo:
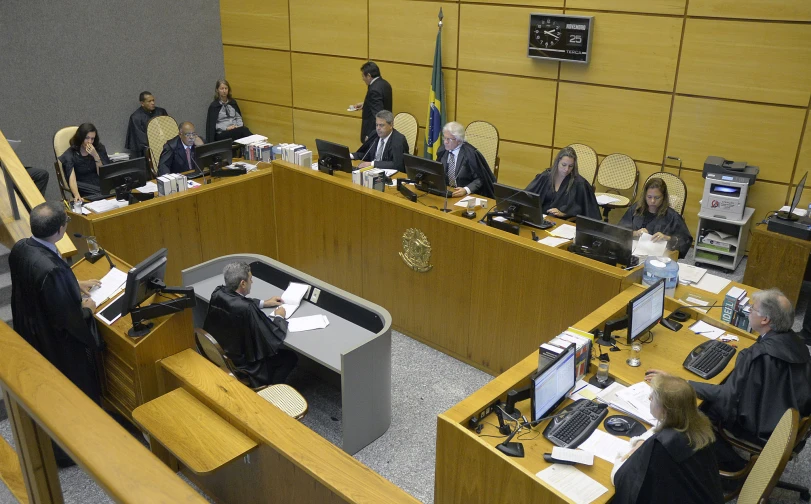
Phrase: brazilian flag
(436, 112)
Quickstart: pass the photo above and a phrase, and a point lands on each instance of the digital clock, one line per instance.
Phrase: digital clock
(560, 37)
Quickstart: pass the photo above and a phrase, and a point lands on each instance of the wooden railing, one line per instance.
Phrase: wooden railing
(13, 213)
(44, 405)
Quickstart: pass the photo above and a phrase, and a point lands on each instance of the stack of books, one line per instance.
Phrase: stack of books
(296, 154)
(736, 308)
(373, 178)
(171, 183)
(582, 340)
(258, 151)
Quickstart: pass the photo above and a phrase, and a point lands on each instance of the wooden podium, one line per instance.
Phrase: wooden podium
(130, 371)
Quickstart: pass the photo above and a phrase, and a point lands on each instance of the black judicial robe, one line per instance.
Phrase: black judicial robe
(472, 170)
(214, 112)
(46, 305)
(392, 158)
(378, 97)
(247, 335)
(136, 129)
(769, 377)
(666, 470)
(578, 200)
(670, 224)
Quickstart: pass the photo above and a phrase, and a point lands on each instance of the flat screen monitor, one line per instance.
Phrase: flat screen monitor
(798, 194)
(550, 386)
(144, 280)
(429, 175)
(333, 157)
(602, 241)
(132, 171)
(646, 310)
(524, 206)
(215, 152)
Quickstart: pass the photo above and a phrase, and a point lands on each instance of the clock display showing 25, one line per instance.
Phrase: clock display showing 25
(560, 37)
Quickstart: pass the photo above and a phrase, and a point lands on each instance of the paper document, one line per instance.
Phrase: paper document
(799, 212)
(605, 199)
(728, 337)
(251, 139)
(571, 455)
(706, 330)
(553, 241)
(295, 293)
(105, 205)
(582, 390)
(479, 202)
(689, 274)
(572, 483)
(605, 446)
(612, 396)
(499, 218)
(111, 284)
(564, 231)
(645, 246)
(638, 396)
(693, 301)
(149, 187)
(390, 172)
(302, 324)
(712, 283)
(721, 239)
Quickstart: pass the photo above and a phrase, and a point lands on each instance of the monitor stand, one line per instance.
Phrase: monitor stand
(511, 449)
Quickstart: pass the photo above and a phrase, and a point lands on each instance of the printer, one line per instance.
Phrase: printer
(726, 187)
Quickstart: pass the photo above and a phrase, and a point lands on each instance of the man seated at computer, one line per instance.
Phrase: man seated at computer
(137, 142)
(178, 153)
(564, 193)
(769, 377)
(466, 170)
(385, 149)
(652, 214)
(250, 338)
(673, 462)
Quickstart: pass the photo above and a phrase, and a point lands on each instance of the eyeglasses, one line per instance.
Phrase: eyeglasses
(189, 135)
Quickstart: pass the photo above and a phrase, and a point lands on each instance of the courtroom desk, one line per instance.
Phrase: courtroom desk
(130, 373)
(230, 215)
(777, 260)
(470, 470)
(489, 296)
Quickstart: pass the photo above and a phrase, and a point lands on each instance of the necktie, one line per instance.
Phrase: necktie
(380, 145)
(188, 156)
(452, 169)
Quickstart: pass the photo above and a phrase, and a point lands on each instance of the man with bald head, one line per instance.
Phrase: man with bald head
(178, 153)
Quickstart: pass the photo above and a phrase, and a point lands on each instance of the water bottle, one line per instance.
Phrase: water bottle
(657, 268)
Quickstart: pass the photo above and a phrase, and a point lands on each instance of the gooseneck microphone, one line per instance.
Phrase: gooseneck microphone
(198, 167)
(101, 250)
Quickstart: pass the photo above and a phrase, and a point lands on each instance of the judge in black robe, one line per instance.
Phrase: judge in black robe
(573, 196)
(378, 97)
(82, 160)
(473, 174)
(137, 141)
(652, 214)
(394, 145)
(251, 339)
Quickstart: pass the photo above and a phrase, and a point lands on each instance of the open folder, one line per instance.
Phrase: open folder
(292, 297)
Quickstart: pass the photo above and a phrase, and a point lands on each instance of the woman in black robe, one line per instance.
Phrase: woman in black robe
(677, 463)
(564, 193)
(652, 214)
(82, 160)
(224, 119)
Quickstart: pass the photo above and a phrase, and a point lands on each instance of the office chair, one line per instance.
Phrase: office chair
(61, 142)
(484, 136)
(586, 161)
(676, 190)
(159, 130)
(284, 397)
(617, 174)
(406, 124)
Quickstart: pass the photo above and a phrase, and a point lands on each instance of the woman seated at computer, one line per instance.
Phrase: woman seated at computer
(82, 160)
(676, 463)
(652, 214)
(224, 119)
(564, 193)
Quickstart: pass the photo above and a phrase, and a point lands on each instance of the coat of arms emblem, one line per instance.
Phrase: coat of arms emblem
(416, 250)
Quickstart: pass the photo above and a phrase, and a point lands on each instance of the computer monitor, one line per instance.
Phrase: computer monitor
(333, 157)
(646, 310)
(523, 206)
(427, 174)
(144, 280)
(550, 386)
(215, 152)
(603, 241)
(798, 194)
(133, 172)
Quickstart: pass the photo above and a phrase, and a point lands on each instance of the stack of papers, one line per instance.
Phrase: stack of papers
(291, 298)
(631, 400)
(149, 187)
(251, 139)
(572, 483)
(105, 205)
(605, 199)
(564, 231)
(112, 283)
(693, 301)
(799, 212)
(479, 202)
(553, 241)
(604, 445)
(645, 246)
(582, 390)
(712, 283)
(302, 324)
(690, 274)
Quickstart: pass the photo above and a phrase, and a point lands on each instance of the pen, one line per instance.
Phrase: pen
(578, 390)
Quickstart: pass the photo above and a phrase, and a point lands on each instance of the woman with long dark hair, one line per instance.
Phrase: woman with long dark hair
(82, 160)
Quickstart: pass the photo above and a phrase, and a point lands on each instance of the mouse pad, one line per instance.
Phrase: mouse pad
(621, 425)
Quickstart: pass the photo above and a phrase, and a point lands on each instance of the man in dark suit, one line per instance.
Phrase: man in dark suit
(385, 149)
(378, 97)
(178, 153)
(466, 170)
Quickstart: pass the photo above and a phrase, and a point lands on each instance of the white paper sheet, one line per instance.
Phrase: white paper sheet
(572, 455)
(692, 301)
(605, 199)
(690, 274)
(149, 187)
(605, 446)
(553, 241)
(294, 293)
(638, 395)
(105, 205)
(645, 246)
(572, 483)
(310, 323)
(480, 202)
(799, 212)
(250, 139)
(111, 283)
(712, 283)
(612, 396)
(582, 390)
(564, 231)
(706, 330)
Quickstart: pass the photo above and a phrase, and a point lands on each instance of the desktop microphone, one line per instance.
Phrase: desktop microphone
(445, 206)
(101, 250)
(369, 149)
(198, 167)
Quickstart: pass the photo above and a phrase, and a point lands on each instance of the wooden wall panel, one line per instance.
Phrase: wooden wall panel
(765, 197)
(410, 87)
(613, 120)
(274, 122)
(495, 38)
(764, 62)
(534, 3)
(255, 23)
(327, 84)
(521, 109)
(258, 74)
(329, 27)
(307, 126)
(405, 31)
(787, 10)
(762, 135)
(630, 51)
(672, 7)
(804, 161)
(521, 162)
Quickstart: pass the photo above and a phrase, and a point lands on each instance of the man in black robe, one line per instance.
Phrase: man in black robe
(251, 339)
(571, 200)
(137, 142)
(385, 149)
(466, 170)
(378, 97)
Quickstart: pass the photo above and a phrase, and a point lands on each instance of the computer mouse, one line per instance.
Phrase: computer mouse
(617, 423)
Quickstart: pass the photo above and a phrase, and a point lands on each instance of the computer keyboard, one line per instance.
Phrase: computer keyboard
(543, 225)
(575, 423)
(437, 192)
(709, 358)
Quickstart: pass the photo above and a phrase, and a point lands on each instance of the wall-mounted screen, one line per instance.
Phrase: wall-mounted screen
(560, 37)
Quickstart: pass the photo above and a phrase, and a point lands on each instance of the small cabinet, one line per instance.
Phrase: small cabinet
(722, 242)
